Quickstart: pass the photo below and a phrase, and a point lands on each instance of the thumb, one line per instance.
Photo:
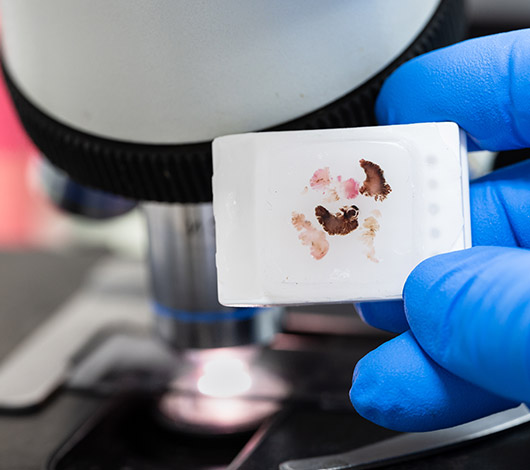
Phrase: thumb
(470, 311)
(481, 84)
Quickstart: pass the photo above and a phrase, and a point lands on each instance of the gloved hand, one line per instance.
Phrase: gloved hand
(465, 348)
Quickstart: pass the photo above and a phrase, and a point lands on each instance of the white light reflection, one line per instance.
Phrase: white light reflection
(224, 377)
(221, 391)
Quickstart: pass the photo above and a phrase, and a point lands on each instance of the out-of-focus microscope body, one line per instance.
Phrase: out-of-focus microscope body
(125, 97)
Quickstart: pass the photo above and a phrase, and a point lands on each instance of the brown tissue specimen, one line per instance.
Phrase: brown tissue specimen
(341, 223)
(375, 184)
(346, 220)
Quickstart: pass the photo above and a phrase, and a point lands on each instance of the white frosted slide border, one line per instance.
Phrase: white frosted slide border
(336, 215)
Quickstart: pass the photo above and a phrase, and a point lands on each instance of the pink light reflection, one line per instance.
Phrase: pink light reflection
(222, 391)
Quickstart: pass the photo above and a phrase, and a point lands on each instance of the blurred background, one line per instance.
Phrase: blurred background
(495, 16)
(46, 254)
(29, 221)
(36, 237)
(27, 217)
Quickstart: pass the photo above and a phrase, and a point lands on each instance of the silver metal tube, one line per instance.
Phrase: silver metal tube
(182, 256)
(184, 283)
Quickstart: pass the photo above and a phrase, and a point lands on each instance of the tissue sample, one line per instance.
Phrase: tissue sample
(375, 184)
(350, 187)
(333, 189)
(310, 236)
(341, 223)
(371, 226)
(320, 179)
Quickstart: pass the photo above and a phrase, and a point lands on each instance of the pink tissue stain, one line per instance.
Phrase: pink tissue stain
(320, 179)
(310, 236)
(333, 190)
(350, 188)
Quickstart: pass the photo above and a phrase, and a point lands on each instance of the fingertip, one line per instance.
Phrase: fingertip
(399, 387)
(422, 298)
(469, 311)
(492, 70)
(388, 315)
(433, 286)
(416, 289)
(377, 388)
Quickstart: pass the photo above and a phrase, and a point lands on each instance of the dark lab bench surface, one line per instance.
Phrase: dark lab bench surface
(120, 434)
(33, 284)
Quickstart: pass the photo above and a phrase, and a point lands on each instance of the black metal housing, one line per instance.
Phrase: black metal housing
(182, 172)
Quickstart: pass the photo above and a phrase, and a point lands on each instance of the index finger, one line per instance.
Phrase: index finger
(481, 84)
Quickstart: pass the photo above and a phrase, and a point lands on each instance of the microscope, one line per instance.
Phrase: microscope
(123, 98)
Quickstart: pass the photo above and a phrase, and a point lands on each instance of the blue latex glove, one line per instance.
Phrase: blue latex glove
(465, 350)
